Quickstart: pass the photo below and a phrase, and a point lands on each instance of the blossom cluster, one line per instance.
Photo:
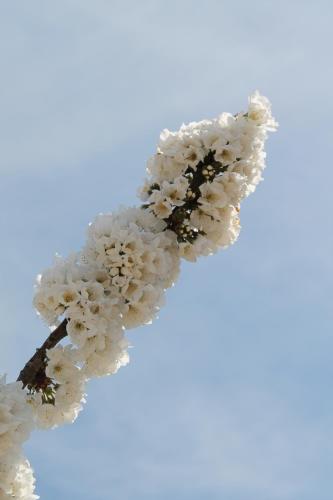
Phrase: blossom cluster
(191, 203)
(200, 174)
(16, 423)
(115, 283)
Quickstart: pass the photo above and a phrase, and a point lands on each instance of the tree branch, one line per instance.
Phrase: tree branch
(33, 374)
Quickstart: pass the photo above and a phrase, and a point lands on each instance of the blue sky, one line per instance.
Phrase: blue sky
(228, 393)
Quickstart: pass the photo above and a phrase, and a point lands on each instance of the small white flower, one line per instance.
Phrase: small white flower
(175, 192)
(61, 366)
(191, 251)
(226, 153)
(161, 207)
(212, 195)
(234, 186)
(77, 331)
(260, 111)
(162, 167)
(68, 295)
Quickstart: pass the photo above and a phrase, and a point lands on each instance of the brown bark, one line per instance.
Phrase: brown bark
(33, 374)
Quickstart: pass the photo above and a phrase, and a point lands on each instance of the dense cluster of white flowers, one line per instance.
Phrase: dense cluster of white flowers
(79, 292)
(200, 174)
(196, 181)
(16, 423)
(140, 259)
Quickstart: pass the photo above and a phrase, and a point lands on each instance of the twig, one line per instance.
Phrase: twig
(33, 374)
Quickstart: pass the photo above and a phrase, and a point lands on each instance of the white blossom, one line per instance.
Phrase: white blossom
(16, 420)
(164, 167)
(60, 365)
(213, 196)
(161, 206)
(68, 399)
(175, 191)
(106, 354)
(16, 478)
(260, 111)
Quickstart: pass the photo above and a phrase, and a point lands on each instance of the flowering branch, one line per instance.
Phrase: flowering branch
(179, 220)
(33, 374)
(196, 181)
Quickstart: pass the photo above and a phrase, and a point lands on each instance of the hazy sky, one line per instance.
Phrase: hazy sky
(228, 394)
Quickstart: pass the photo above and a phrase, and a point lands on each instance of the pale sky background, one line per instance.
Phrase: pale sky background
(228, 394)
